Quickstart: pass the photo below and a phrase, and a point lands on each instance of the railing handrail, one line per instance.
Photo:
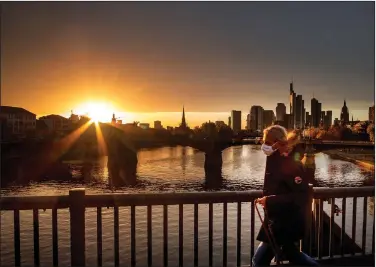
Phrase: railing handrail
(144, 199)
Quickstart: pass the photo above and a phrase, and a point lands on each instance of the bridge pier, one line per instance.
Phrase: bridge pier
(309, 162)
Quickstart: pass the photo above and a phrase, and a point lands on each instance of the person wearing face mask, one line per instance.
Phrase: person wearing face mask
(284, 200)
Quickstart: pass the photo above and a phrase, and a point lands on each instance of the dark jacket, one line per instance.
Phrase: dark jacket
(287, 199)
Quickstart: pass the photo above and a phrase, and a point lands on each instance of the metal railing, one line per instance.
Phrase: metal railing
(77, 201)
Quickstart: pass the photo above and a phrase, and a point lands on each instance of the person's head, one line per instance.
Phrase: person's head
(275, 138)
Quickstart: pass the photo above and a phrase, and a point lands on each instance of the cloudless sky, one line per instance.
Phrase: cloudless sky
(148, 57)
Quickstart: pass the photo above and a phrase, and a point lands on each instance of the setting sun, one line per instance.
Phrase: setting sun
(97, 111)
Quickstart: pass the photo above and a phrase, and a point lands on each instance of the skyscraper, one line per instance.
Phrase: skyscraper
(315, 112)
(299, 112)
(329, 117)
(281, 111)
(371, 114)
(303, 114)
(257, 118)
(345, 117)
(236, 120)
(268, 118)
(292, 101)
(248, 121)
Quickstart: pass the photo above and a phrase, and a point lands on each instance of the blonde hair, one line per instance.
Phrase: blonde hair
(276, 133)
(293, 138)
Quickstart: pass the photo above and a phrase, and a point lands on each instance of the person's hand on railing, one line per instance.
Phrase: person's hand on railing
(261, 201)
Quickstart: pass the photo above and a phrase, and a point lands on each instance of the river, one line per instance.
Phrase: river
(176, 169)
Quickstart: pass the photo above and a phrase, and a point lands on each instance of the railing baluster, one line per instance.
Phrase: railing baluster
(165, 235)
(364, 226)
(343, 233)
(17, 237)
(353, 225)
(320, 230)
(373, 229)
(224, 234)
(116, 235)
(181, 235)
(239, 236)
(133, 235)
(210, 234)
(99, 236)
(195, 234)
(77, 226)
(55, 250)
(150, 252)
(331, 228)
(36, 237)
(252, 231)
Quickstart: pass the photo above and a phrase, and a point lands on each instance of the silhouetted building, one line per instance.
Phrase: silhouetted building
(281, 111)
(322, 117)
(308, 119)
(292, 101)
(220, 124)
(158, 125)
(74, 118)
(371, 114)
(298, 112)
(328, 119)
(55, 123)
(236, 120)
(303, 115)
(268, 118)
(170, 128)
(257, 118)
(183, 123)
(345, 117)
(336, 121)
(229, 122)
(288, 121)
(315, 112)
(144, 126)
(113, 120)
(248, 122)
(18, 120)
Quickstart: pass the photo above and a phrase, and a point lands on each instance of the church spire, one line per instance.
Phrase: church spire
(183, 123)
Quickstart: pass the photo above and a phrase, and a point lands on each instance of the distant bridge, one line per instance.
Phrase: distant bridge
(317, 144)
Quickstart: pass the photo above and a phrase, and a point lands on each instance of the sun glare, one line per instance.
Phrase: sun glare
(98, 112)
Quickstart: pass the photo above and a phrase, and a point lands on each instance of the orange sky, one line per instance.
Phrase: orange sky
(148, 60)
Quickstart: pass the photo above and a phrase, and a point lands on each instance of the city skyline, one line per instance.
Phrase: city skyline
(147, 60)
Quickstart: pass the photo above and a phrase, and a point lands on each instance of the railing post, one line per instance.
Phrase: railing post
(308, 221)
(77, 226)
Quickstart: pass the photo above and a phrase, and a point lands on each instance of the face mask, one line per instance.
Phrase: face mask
(268, 150)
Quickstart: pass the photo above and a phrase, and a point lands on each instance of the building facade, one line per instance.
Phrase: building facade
(18, 120)
(371, 114)
(280, 111)
(345, 116)
(268, 118)
(236, 120)
(56, 123)
(315, 112)
(158, 125)
(257, 118)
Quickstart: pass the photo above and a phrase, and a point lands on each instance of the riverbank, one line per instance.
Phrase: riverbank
(363, 158)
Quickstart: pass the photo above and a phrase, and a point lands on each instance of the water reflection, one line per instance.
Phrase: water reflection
(182, 169)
